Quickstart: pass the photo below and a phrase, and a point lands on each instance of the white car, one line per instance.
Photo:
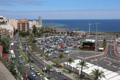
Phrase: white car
(67, 52)
(45, 78)
(57, 70)
(31, 67)
(37, 73)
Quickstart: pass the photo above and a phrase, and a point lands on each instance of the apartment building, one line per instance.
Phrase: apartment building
(23, 25)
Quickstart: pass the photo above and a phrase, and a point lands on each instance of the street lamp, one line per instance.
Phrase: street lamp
(96, 41)
(89, 27)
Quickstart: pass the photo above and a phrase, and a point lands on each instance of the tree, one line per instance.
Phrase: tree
(6, 44)
(56, 63)
(31, 38)
(70, 60)
(49, 67)
(29, 55)
(61, 56)
(83, 65)
(22, 70)
(34, 30)
(97, 74)
(11, 67)
(47, 53)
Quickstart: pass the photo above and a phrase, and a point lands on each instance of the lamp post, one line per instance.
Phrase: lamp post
(96, 41)
(89, 27)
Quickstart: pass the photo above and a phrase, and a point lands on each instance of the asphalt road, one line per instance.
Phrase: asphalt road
(40, 64)
(26, 66)
(109, 61)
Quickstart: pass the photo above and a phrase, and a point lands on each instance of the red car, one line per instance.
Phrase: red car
(15, 50)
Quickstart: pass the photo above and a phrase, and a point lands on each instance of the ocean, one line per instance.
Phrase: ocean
(104, 25)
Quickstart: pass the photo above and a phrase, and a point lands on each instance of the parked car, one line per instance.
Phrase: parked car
(32, 61)
(55, 56)
(45, 78)
(33, 74)
(20, 61)
(31, 67)
(37, 73)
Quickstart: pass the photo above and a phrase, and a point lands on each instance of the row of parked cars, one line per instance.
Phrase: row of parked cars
(58, 44)
(52, 70)
(36, 73)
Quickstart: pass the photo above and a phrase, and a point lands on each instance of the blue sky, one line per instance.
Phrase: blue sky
(60, 9)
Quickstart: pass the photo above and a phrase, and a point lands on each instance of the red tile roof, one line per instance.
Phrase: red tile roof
(23, 21)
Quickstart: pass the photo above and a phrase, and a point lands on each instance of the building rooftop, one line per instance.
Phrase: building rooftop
(4, 73)
(23, 21)
(7, 26)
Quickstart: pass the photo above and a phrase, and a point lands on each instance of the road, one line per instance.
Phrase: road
(24, 64)
(111, 52)
(40, 64)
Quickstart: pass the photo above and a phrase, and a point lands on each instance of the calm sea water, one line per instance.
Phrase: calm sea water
(104, 25)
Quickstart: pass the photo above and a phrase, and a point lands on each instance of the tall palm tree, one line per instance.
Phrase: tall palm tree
(82, 66)
(61, 56)
(70, 60)
(47, 53)
(97, 74)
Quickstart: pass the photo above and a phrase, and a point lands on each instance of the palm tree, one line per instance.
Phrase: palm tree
(83, 65)
(97, 74)
(61, 56)
(47, 53)
(70, 60)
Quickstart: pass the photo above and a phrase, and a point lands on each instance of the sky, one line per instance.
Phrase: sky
(60, 9)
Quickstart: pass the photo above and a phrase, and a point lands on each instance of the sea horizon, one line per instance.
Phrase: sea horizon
(105, 25)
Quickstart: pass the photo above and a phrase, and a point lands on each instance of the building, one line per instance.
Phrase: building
(40, 22)
(31, 23)
(88, 44)
(4, 33)
(5, 25)
(10, 29)
(23, 25)
(3, 19)
(4, 73)
(13, 22)
(1, 51)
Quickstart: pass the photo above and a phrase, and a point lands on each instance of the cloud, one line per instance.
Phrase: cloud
(19, 2)
(102, 14)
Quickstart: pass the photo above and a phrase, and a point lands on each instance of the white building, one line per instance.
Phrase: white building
(6, 26)
(3, 19)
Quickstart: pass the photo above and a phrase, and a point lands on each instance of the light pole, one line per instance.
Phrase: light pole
(96, 42)
(89, 27)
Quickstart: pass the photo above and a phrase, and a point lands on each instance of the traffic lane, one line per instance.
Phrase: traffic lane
(54, 75)
(111, 52)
